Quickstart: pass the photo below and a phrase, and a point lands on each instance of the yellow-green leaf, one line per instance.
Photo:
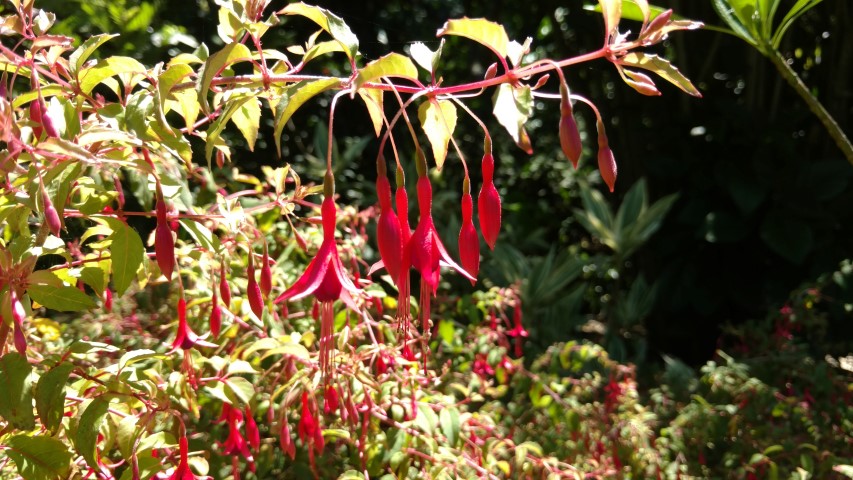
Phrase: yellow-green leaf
(662, 67)
(329, 22)
(247, 118)
(229, 55)
(87, 430)
(482, 31)
(50, 395)
(612, 12)
(373, 101)
(40, 457)
(127, 253)
(63, 299)
(391, 65)
(438, 119)
(90, 77)
(84, 51)
(294, 98)
(512, 108)
(216, 128)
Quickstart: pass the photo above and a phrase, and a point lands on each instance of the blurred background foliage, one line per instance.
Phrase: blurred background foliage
(724, 205)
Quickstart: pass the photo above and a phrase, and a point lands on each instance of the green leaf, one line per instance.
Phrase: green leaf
(512, 108)
(799, 8)
(233, 105)
(662, 67)
(391, 65)
(39, 458)
(290, 103)
(247, 118)
(480, 30)
(727, 13)
(328, 21)
(426, 418)
(201, 234)
(438, 119)
(62, 299)
(50, 395)
(134, 356)
(87, 430)
(168, 79)
(84, 51)
(229, 55)
(449, 419)
(106, 68)
(16, 395)
(321, 48)
(94, 277)
(127, 253)
(373, 100)
(240, 390)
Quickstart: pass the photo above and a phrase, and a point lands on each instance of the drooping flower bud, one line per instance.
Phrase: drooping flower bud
(489, 203)
(164, 241)
(183, 471)
(266, 273)
(215, 316)
(18, 317)
(388, 233)
(186, 338)
(469, 241)
(570, 137)
(641, 83)
(606, 162)
(330, 400)
(253, 290)
(108, 300)
(285, 440)
(47, 121)
(35, 116)
(224, 288)
(253, 435)
(51, 216)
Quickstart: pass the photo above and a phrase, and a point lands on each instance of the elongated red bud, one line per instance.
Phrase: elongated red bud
(224, 288)
(51, 216)
(641, 83)
(606, 161)
(108, 300)
(285, 440)
(388, 233)
(18, 317)
(570, 137)
(253, 435)
(658, 22)
(47, 121)
(489, 203)
(215, 316)
(120, 191)
(35, 116)
(469, 241)
(164, 242)
(330, 400)
(266, 273)
(253, 291)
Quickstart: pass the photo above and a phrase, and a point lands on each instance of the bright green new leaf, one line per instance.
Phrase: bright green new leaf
(16, 395)
(799, 8)
(218, 125)
(322, 48)
(84, 51)
(127, 253)
(294, 98)
(229, 55)
(631, 10)
(727, 12)
(62, 299)
(663, 68)
(512, 108)
(482, 31)
(438, 119)
(50, 395)
(391, 65)
(39, 458)
(90, 77)
(87, 430)
(168, 79)
(247, 118)
(329, 22)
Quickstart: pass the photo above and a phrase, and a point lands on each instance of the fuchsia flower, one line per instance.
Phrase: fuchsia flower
(266, 273)
(215, 316)
(224, 288)
(570, 137)
(518, 331)
(489, 203)
(253, 290)
(18, 316)
(235, 444)
(469, 241)
(309, 430)
(186, 338)
(388, 232)
(183, 471)
(606, 161)
(330, 400)
(164, 241)
(252, 433)
(326, 279)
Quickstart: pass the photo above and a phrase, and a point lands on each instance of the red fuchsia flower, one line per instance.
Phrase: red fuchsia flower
(518, 332)
(404, 298)
(489, 203)
(285, 441)
(253, 435)
(330, 400)
(612, 393)
(215, 321)
(326, 279)
(51, 216)
(481, 366)
(266, 273)
(183, 471)
(18, 316)
(108, 300)
(606, 161)
(388, 231)
(570, 137)
(186, 338)
(469, 241)
(164, 241)
(253, 290)
(224, 288)
(427, 252)
(235, 444)
(309, 430)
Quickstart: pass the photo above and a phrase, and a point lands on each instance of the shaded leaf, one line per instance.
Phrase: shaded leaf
(16, 396)
(127, 253)
(62, 299)
(50, 395)
(290, 103)
(87, 430)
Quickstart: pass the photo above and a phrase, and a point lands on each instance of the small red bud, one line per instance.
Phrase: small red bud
(224, 288)
(47, 121)
(330, 400)
(108, 300)
(253, 291)
(215, 316)
(35, 116)
(570, 137)
(641, 83)
(252, 433)
(51, 216)
(266, 273)
(469, 242)
(489, 203)
(18, 317)
(164, 242)
(606, 161)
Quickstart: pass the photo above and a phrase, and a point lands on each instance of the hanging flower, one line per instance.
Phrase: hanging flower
(388, 233)
(235, 444)
(606, 161)
(489, 203)
(469, 241)
(253, 290)
(186, 338)
(570, 137)
(330, 400)
(253, 435)
(215, 316)
(164, 240)
(326, 279)
(183, 471)
(18, 316)
(266, 273)
(518, 332)
(309, 430)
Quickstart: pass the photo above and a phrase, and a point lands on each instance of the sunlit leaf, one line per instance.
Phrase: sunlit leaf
(329, 22)
(512, 108)
(480, 30)
(373, 100)
(438, 120)
(295, 97)
(391, 65)
(62, 299)
(612, 12)
(90, 77)
(229, 55)
(127, 253)
(84, 51)
(39, 457)
(663, 68)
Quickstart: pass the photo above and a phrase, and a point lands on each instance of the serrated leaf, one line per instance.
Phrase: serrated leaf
(373, 100)
(512, 108)
(438, 120)
(61, 299)
(39, 458)
(391, 65)
(127, 253)
(229, 55)
(331, 23)
(87, 430)
(295, 97)
(50, 395)
(86, 49)
(168, 79)
(247, 118)
(106, 68)
(662, 67)
(449, 420)
(16, 394)
(485, 32)
(424, 57)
